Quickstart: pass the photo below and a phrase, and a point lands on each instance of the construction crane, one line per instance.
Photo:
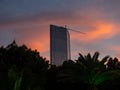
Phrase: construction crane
(70, 29)
(74, 30)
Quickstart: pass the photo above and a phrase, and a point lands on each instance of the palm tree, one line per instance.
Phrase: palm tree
(87, 69)
(113, 64)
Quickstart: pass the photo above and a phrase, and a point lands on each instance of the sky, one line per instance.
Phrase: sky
(28, 22)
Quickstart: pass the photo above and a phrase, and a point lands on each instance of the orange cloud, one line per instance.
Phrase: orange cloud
(36, 30)
(97, 31)
(35, 37)
(42, 47)
(103, 30)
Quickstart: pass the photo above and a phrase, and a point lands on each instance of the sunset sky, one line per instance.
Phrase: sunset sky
(28, 21)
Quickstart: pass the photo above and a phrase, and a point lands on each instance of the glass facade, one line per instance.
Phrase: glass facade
(59, 45)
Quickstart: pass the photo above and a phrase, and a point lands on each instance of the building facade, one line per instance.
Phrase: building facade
(59, 45)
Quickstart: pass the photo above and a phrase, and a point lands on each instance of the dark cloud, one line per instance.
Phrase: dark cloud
(19, 8)
(28, 21)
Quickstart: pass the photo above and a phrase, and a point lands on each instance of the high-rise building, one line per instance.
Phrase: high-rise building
(59, 45)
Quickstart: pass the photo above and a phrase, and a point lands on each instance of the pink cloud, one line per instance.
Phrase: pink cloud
(34, 31)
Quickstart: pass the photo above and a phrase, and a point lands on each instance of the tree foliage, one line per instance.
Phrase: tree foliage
(87, 72)
(21, 67)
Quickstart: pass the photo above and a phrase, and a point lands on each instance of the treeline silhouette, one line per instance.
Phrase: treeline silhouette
(22, 68)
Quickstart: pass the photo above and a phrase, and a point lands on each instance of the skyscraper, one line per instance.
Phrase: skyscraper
(59, 45)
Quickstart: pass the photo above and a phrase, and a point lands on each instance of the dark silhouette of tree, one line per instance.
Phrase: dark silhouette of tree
(22, 68)
(88, 72)
(51, 78)
(113, 64)
(19, 64)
